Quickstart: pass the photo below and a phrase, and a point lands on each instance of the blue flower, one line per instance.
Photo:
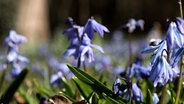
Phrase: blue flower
(55, 78)
(123, 89)
(161, 72)
(117, 89)
(176, 56)
(180, 25)
(132, 24)
(18, 65)
(137, 93)
(15, 39)
(83, 49)
(12, 55)
(174, 38)
(138, 70)
(92, 26)
(155, 98)
(74, 33)
(16, 69)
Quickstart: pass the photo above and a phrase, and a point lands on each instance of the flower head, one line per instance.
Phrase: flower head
(137, 93)
(155, 98)
(123, 89)
(132, 24)
(55, 78)
(138, 70)
(83, 49)
(161, 72)
(180, 25)
(174, 38)
(15, 39)
(92, 26)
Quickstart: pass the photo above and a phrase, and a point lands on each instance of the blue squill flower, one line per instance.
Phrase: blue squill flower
(174, 38)
(132, 24)
(117, 88)
(138, 70)
(12, 54)
(16, 69)
(157, 49)
(176, 56)
(18, 65)
(161, 72)
(86, 49)
(83, 49)
(137, 93)
(55, 78)
(13, 57)
(155, 98)
(92, 26)
(15, 39)
(180, 25)
(74, 33)
(123, 89)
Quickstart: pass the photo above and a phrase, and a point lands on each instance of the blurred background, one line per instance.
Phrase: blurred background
(40, 20)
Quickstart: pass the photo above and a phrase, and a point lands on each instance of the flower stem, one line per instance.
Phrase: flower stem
(78, 62)
(182, 62)
(163, 94)
(180, 80)
(130, 47)
(181, 10)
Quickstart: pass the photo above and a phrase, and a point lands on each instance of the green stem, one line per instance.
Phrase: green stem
(2, 79)
(181, 10)
(79, 62)
(130, 48)
(182, 63)
(180, 80)
(163, 94)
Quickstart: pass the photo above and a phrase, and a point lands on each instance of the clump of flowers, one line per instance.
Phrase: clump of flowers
(166, 54)
(16, 61)
(81, 38)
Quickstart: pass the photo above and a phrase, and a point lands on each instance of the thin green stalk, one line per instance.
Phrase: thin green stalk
(130, 48)
(78, 63)
(179, 81)
(2, 79)
(181, 9)
(163, 94)
(182, 63)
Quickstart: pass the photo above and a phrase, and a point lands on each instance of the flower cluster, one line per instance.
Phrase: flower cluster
(17, 61)
(166, 54)
(81, 37)
(125, 89)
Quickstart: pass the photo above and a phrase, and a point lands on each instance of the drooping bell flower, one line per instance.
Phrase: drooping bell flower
(155, 98)
(83, 49)
(93, 26)
(137, 93)
(161, 72)
(174, 38)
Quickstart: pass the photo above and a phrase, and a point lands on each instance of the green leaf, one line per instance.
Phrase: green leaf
(95, 99)
(68, 91)
(8, 95)
(41, 90)
(28, 98)
(70, 98)
(89, 80)
(110, 100)
(149, 99)
(82, 88)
